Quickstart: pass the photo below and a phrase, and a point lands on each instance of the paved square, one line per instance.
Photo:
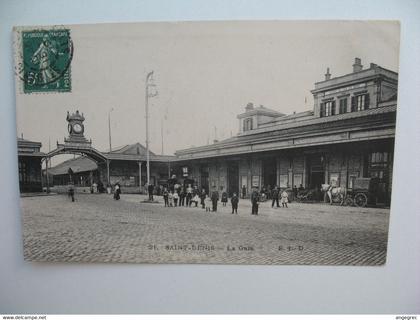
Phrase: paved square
(97, 228)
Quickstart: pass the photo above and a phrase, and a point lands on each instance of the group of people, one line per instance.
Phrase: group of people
(190, 196)
(183, 196)
(275, 195)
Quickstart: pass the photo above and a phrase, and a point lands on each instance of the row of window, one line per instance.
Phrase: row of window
(358, 103)
(328, 108)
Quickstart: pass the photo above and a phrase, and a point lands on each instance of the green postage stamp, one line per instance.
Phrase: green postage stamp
(44, 60)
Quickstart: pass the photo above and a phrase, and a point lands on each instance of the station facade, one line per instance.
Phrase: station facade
(349, 133)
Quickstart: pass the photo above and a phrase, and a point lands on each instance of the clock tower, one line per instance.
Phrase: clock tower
(76, 129)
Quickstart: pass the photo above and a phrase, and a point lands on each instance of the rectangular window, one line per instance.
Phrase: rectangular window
(343, 105)
(248, 124)
(284, 180)
(327, 108)
(360, 102)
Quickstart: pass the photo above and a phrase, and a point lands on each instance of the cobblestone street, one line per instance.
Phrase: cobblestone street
(97, 228)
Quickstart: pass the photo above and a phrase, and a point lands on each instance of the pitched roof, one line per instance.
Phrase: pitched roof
(132, 149)
(260, 110)
(79, 164)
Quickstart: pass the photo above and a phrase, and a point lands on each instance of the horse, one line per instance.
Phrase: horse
(335, 194)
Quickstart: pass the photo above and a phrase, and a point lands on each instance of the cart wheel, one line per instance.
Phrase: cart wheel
(360, 200)
(340, 199)
(349, 201)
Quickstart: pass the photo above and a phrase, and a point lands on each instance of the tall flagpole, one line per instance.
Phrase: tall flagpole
(149, 84)
(161, 132)
(109, 128)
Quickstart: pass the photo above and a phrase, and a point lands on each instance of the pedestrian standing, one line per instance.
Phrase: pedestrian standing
(171, 198)
(176, 197)
(243, 192)
(255, 198)
(196, 199)
(224, 198)
(284, 198)
(189, 195)
(208, 203)
(234, 201)
(150, 189)
(166, 197)
(214, 199)
(181, 196)
(117, 191)
(71, 192)
(275, 197)
(295, 192)
(203, 197)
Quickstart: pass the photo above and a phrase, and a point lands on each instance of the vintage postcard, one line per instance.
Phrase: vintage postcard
(246, 142)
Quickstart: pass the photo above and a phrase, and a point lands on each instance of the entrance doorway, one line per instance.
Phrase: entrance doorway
(316, 171)
(269, 168)
(204, 178)
(233, 178)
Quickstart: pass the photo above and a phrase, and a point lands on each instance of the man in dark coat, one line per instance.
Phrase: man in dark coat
(255, 197)
(181, 194)
(275, 197)
(150, 189)
(166, 197)
(203, 197)
(243, 192)
(214, 199)
(234, 201)
(71, 192)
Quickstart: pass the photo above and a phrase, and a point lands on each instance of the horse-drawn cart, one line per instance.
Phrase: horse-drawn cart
(361, 193)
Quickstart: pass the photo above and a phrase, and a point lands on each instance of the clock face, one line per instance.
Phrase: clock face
(77, 128)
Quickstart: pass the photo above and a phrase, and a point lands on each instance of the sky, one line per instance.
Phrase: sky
(205, 74)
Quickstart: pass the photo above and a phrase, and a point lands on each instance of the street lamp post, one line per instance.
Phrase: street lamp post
(109, 127)
(149, 94)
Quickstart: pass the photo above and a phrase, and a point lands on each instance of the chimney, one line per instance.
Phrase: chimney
(357, 66)
(328, 75)
(373, 65)
(249, 106)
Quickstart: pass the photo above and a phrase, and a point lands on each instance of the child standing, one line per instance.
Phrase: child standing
(171, 199)
(176, 197)
(224, 198)
(234, 201)
(196, 199)
(208, 203)
(284, 198)
(165, 197)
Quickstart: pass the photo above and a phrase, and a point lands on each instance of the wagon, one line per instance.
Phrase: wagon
(361, 193)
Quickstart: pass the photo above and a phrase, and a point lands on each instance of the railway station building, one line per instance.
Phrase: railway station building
(348, 133)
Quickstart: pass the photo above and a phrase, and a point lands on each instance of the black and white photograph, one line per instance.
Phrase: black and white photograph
(217, 142)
